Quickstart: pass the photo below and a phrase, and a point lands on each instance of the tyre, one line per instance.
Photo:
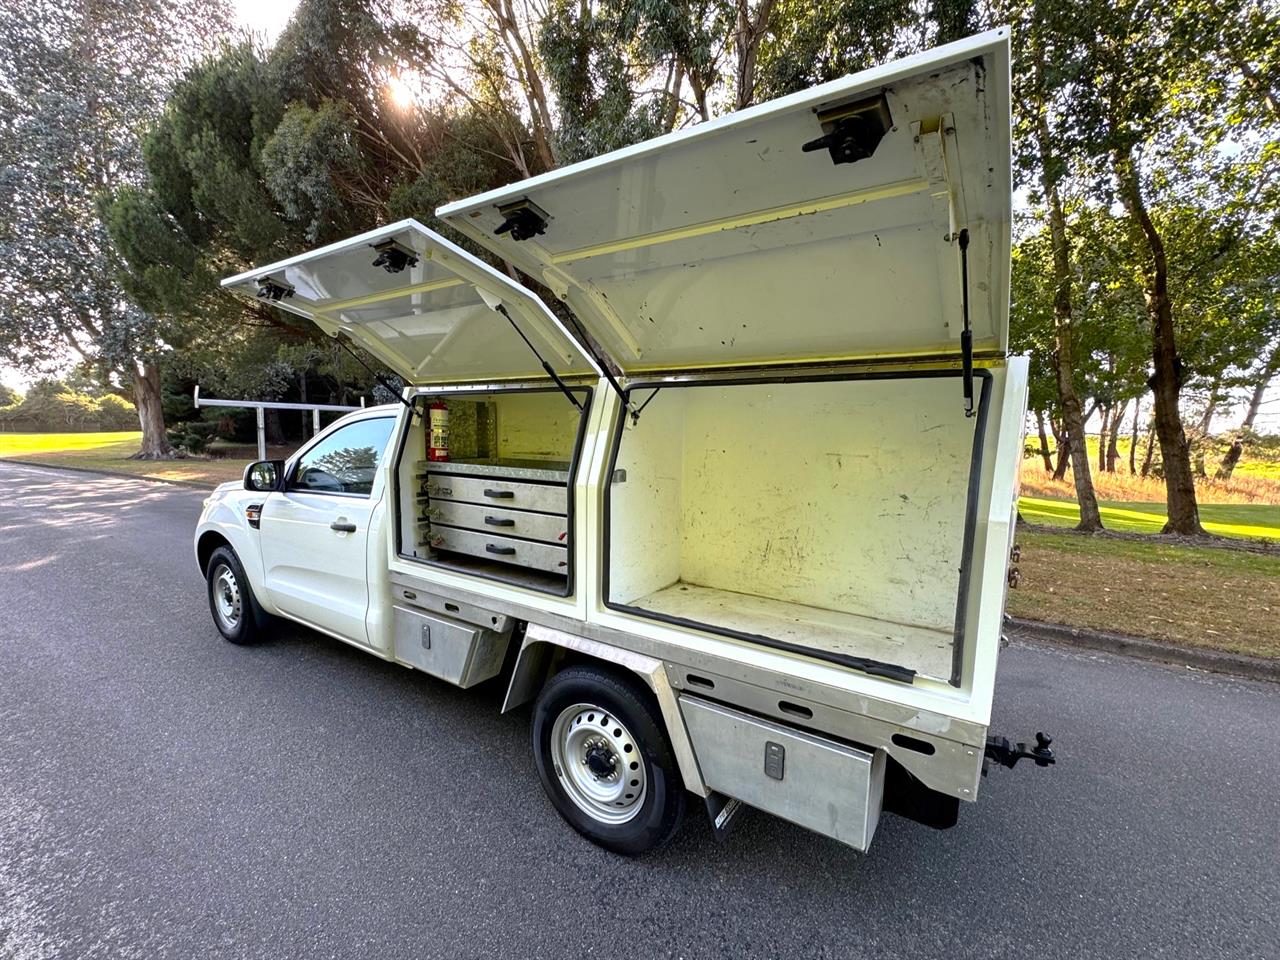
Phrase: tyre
(231, 599)
(605, 761)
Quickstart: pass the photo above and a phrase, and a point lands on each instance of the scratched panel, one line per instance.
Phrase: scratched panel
(847, 496)
(644, 547)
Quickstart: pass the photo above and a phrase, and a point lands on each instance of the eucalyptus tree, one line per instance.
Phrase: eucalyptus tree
(79, 82)
(1043, 80)
(1155, 116)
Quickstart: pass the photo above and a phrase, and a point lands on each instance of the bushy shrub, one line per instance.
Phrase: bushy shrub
(192, 436)
(116, 413)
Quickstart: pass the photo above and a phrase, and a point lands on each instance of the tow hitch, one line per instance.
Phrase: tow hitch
(1006, 754)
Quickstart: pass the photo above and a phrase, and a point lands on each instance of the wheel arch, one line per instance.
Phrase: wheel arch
(544, 652)
(209, 541)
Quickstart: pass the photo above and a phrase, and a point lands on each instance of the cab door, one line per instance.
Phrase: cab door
(315, 533)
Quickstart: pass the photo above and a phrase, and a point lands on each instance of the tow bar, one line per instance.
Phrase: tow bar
(1006, 754)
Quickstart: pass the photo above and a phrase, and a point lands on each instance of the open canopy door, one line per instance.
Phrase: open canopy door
(822, 226)
(424, 306)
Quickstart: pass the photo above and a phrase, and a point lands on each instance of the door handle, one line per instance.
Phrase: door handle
(342, 526)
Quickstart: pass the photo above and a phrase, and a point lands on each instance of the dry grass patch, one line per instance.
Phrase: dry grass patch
(1118, 486)
(1195, 596)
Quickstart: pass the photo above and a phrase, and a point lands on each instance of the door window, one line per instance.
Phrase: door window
(346, 460)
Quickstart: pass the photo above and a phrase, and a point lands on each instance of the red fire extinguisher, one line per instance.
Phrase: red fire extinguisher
(438, 445)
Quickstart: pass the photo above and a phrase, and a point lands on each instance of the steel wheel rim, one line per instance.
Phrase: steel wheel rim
(227, 605)
(598, 763)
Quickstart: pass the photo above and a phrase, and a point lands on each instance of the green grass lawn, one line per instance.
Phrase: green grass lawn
(110, 452)
(1250, 520)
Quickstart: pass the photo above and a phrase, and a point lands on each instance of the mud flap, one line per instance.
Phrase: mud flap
(722, 811)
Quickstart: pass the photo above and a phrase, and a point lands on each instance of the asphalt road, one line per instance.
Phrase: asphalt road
(166, 794)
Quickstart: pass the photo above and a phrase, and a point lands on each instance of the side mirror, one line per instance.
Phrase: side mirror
(264, 476)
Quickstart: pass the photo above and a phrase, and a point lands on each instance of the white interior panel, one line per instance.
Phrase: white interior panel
(646, 505)
(536, 426)
(826, 514)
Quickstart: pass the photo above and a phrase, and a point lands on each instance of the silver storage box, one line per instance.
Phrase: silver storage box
(461, 653)
(831, 788)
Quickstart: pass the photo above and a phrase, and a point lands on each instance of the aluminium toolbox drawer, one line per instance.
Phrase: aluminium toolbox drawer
(547, 527)
(452, 650)
(543, 497)
(831, 788)
(523, 553)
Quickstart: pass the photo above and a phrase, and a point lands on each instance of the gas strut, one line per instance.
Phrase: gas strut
(502, 309)
(341, 338)
(966, 335)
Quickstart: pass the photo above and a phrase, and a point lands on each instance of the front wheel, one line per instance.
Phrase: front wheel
(604, 760)
(230, 597)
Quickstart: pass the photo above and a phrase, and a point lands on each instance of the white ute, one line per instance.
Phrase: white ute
(736, 516)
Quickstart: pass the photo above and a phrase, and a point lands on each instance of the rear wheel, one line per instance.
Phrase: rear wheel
(231, 598)
(604, 760)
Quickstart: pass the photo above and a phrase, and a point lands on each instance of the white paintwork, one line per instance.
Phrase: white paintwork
(435, 322)
(725, 244)
(297, 566)
(313, 573)
(834, 511)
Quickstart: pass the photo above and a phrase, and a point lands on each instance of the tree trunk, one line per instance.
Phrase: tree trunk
(1044, 442)
(1069, 402)
(750, 31)
(275, 433)
(1103, 433)
(1149, 457)
(1166, 381)
(147, 397)
(1113, 443)
(1064, 457)
(1133, 441)
(527, 69)
(1230, 459)
(1232, 456)
(304, 415)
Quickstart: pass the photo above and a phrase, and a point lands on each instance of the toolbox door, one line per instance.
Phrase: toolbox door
(821, 227)
(429, 310)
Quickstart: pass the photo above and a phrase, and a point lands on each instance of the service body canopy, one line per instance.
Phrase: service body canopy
(823, 226)
(428, 309)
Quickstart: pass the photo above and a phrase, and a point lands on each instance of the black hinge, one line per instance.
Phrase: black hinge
(523, 219)
(392, 257)
(273, 290)
(853, 131)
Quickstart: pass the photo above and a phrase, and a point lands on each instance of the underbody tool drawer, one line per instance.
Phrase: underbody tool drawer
(831, 788)
(458, 652)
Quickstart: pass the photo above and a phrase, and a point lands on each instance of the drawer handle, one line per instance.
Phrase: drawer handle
(499, 522)
(501, 551)
(500, 494)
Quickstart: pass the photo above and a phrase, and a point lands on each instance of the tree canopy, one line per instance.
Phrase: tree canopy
(1147, 158)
